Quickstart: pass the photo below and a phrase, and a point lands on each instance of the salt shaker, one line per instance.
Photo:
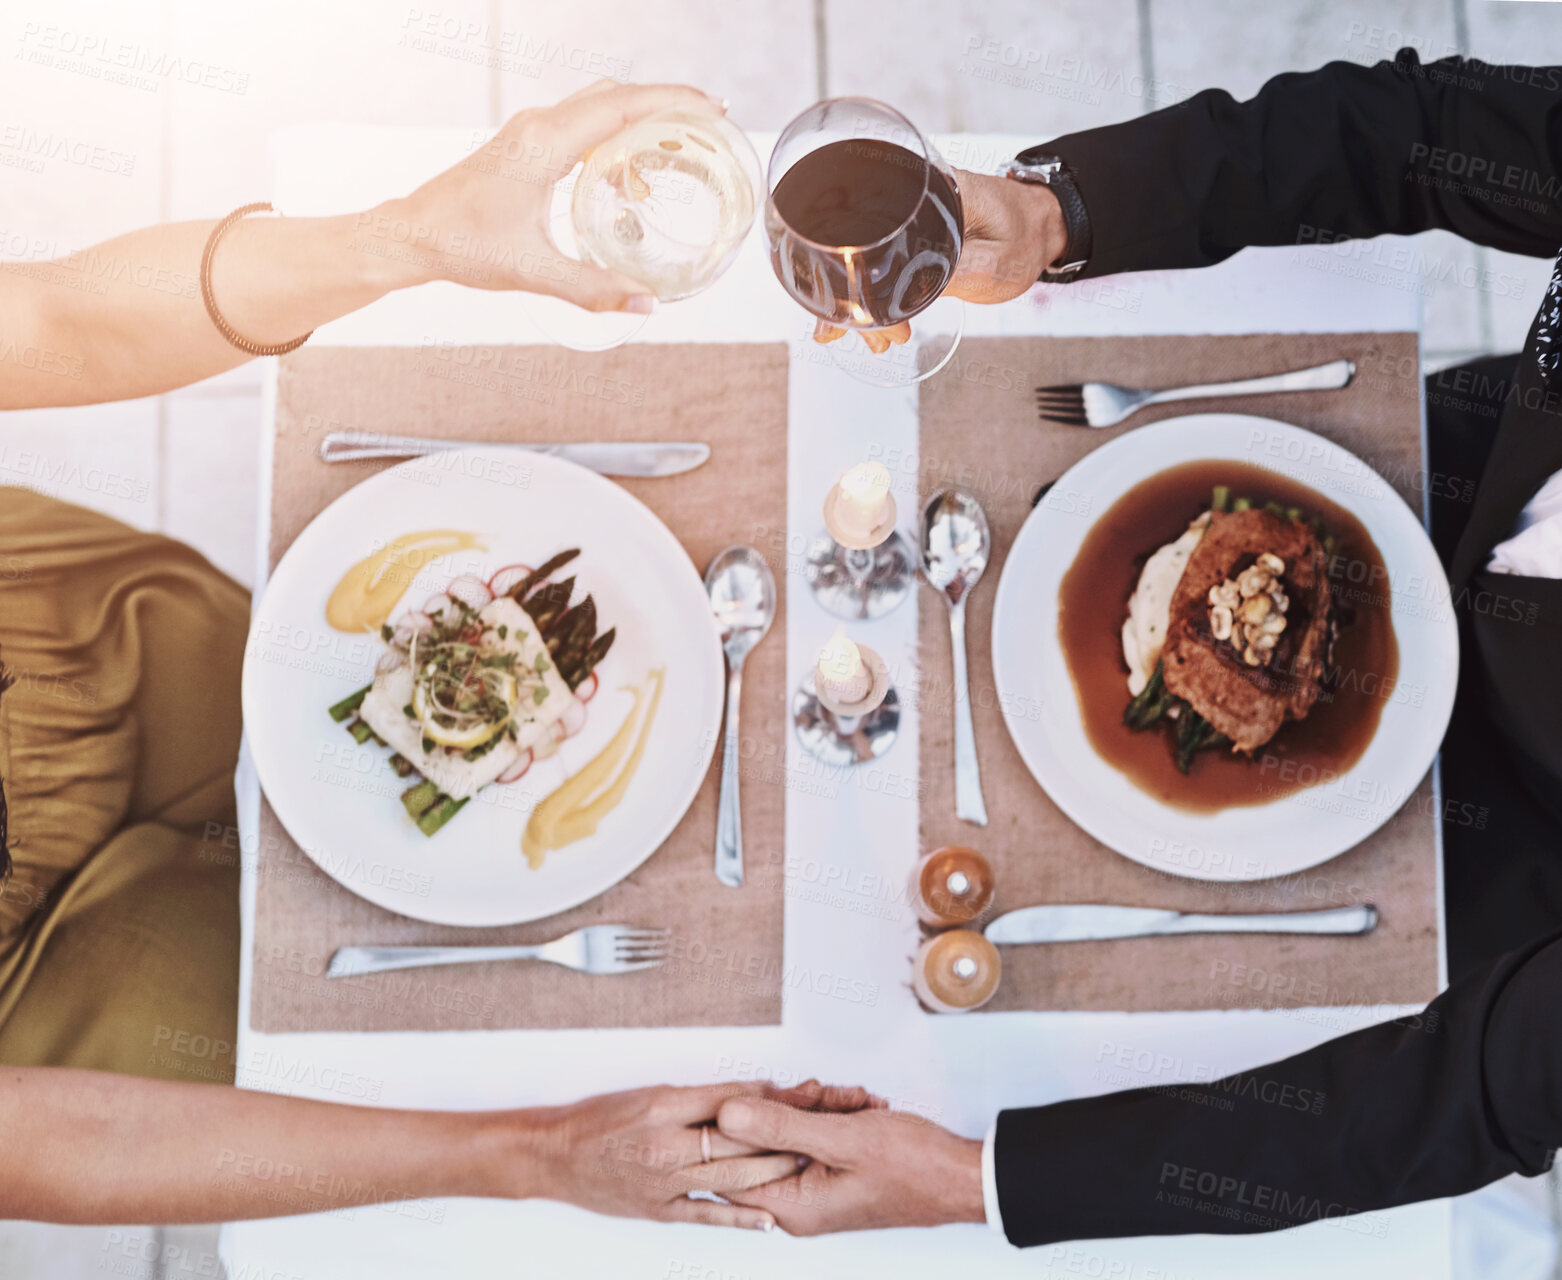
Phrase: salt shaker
(951, 886)
(956, 971)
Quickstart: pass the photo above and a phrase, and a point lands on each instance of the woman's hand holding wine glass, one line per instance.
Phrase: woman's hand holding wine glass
(485, 221)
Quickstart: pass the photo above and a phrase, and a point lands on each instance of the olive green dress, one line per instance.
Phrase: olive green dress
(119, 930)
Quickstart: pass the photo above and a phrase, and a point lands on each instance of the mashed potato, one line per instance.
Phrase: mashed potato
(1149, 608)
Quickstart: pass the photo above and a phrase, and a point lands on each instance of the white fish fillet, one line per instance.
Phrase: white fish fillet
(383, 708)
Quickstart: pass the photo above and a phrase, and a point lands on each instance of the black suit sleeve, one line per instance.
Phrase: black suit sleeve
(1435, 1105)
(1342, 152)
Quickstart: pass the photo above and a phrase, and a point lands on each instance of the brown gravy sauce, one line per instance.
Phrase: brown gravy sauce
(1093, 601)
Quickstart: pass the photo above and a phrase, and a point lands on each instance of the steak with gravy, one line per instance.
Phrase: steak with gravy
(1248, 701)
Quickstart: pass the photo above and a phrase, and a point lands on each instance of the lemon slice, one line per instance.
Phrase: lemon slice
(467, 738)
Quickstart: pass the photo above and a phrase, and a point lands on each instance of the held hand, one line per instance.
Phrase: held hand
(484, 222)
(870, 1167)
(638, 1154)
(1012, 231)
(814, 1095)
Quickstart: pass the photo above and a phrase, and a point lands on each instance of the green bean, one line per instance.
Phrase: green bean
(595, 654)
(1150, 703)
(1195, 734)
(549, 604)
(349, 704)
(439, 814)
(1191, 727)
(519, 590)
(419, 799)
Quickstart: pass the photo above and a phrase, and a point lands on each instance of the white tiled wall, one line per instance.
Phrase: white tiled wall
(992, 65)
(193, 145)
(758, 56)
(293, 61)
(1250, 43)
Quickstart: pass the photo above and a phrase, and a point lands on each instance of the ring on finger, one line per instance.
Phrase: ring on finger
(705, 1144)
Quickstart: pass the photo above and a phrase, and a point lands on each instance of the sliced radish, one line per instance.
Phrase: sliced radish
(416, 623)
(390, 660)
(512, 575)
(548, 745)
(470, 591)
(574, 719)
(587, 688)
(440, 607)
(523, 762)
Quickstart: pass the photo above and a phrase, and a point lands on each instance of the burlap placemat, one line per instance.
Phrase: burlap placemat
(726, 969)
(980, 432)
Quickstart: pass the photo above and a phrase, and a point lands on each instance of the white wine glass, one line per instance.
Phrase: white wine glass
(668, 201)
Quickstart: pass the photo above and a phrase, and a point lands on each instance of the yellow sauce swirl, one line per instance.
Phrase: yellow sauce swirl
(369, 590)
(573, 811)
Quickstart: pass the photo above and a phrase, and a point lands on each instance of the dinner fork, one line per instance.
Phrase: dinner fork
(1105, 404)
(597, 948)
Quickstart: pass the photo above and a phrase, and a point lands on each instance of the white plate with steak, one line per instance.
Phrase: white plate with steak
(1244, 659)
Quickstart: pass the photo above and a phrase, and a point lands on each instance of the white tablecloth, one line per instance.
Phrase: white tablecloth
(850, 842)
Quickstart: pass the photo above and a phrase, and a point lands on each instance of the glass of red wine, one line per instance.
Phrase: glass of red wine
(865, 225)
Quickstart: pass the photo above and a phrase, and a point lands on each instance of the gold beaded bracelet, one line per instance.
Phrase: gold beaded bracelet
(223, 327)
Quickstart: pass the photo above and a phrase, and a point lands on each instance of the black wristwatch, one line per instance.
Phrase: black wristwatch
(1051, 171)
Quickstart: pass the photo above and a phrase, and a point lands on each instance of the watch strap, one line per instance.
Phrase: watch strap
(1054, 172)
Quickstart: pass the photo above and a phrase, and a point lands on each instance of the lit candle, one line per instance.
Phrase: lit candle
(862, 504)
(841, 675)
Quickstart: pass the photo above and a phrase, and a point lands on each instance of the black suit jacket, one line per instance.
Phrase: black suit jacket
(1471, 1089)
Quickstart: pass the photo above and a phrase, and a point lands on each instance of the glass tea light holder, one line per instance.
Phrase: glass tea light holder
(847, 712)
(861, 568)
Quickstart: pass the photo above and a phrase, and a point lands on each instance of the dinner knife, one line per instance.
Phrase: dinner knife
(1083, 923)
(626, 458)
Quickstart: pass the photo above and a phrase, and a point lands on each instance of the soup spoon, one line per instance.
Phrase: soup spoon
(743, 597)
(955, 543)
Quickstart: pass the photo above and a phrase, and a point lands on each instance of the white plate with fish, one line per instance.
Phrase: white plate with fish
(483, 687)
(1225, 647)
